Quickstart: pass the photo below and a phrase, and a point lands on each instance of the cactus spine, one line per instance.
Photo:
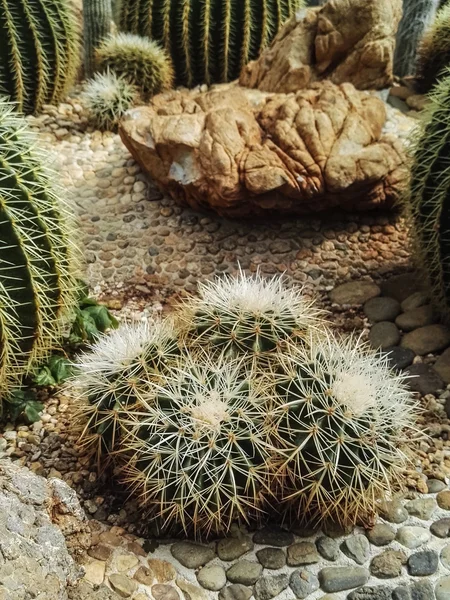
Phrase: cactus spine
(108, 97)
(417, 15)
(97, 19)
(434, 51)
(37, 257)
(209, 40)
(38, 51)
(429, 194)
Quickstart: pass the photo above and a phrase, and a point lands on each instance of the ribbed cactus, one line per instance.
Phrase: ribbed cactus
(417, 16)
(37, 255)
(433, 55)
(340, 421)
(198, 455)
(247, 315)
(429, 194)
(209, 40)
(142, 62)
(97, 21)
(38, 51)
(117, 376)
(107, 97)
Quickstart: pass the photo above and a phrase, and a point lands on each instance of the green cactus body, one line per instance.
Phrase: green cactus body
(429, 195)
(433, 55)
(108, 97)
(38, 51)
(209, 40)
(97, 20)
(37, 257)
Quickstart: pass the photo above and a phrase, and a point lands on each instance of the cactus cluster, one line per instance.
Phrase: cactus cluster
(209, 41)
(433, 55)
(107, 97)
(139, 60)
(38, 259)
(252, 404)
(428, 198)
(38, 51)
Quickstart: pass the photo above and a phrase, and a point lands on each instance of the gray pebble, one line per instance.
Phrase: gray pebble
(381, 534)
(270, 586)
(384, 334)
(357, 548)
(423, 563)
(303, 583)
(271, 558)
(382, 309)
(327, 548)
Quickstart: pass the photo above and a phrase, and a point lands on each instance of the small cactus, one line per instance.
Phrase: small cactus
(39, 51)
(247, 315)
(197, 455)
(433, 55)
(107, 98)
(38, 256)
(340, 422)
(139, 60)
(97, 20)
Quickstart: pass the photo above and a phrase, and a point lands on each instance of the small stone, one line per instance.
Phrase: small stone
(337, 579)
(357, 548)
(435, 486)
(270, 586)
(94, 571)
(245, 572)
(269, 536)
(423, 563)
(399, 358)
(388, 564)
(402, 286)
(442, 589)
(441, 528)
(432, 338)
(383, 335)
(423, 508)
(191, 591)
(122, 584)
(192, 555)
(328, 548)
(271, 558)
(302, 553)
(424, 379)
(412, 537)
(303, 583)
(124, 562)
(162, 570)
(334, 530)
(354, 293)
(144, 575)
(100, 552)
(382, 309)
(442, 366)
(415, 318)
(212, 577)
(419, 590)
(162, 591)
(414, 301)
(110, 538)
(443, 499)
(393, 512)
(233, 548)
(381, 534)
(445, 556)
(235, 592)
(378, 592)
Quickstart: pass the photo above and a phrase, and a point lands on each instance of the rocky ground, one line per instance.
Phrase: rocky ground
(142, 252)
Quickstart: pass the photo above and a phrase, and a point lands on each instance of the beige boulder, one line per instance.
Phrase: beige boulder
(343, 41)
(241, 151)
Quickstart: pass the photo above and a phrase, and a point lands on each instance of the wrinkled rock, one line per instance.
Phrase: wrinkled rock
(242, 152)
(346, 40)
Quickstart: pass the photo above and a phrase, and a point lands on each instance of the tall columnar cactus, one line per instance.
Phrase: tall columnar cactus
(417, 16)
(429, 194)
(340, 420)
(209, 40)
(37, 256)
(247, 315)
(97, 21)
(433, 55)
(38, 51)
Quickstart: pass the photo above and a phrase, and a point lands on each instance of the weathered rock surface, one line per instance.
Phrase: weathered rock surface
(345, 40)
(240, 151)
(33, 549)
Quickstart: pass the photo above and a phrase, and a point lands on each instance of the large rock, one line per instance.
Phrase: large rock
(34, 556)
(241, 151)
(344, 41)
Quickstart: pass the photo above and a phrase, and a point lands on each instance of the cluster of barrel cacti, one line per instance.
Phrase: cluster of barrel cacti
(240, 401)
(38, 257)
